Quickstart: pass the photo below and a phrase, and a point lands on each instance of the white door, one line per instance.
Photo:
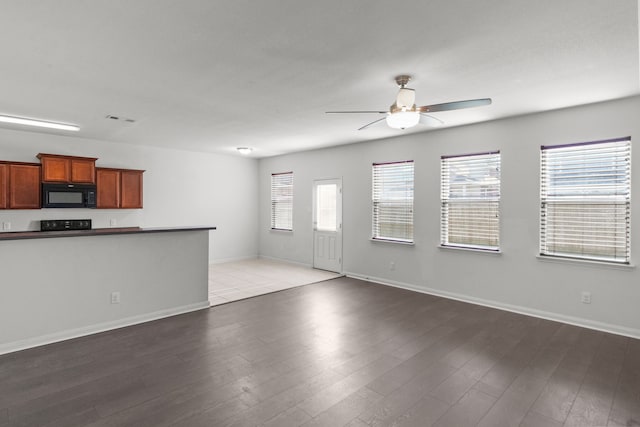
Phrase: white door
(327, 224)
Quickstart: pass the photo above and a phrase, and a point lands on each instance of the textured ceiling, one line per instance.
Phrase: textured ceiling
(211, 75)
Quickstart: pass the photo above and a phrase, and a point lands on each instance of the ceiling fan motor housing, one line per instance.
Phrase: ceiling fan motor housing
(402, 80)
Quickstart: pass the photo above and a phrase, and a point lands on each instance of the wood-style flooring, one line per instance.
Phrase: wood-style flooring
(335, 353)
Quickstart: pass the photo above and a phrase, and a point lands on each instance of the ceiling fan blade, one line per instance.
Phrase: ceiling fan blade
(426, 119)
(358, 112)
(457, 105)
(372, 123)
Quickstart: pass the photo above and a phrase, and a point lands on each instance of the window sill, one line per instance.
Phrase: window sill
(586, 262)
(280, 230)
(397, 242)
(476, 250)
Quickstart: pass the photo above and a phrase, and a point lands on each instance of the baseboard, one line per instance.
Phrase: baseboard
(288, 261)
(223, 260)
(576, 321)
(244, 258)
(100, 327)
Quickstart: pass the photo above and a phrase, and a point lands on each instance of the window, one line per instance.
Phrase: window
(470, 198)
(326, 207)
(585, 194)
(282, 201)
(393, 201)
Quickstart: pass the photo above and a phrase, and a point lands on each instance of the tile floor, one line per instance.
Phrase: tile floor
(232, 281)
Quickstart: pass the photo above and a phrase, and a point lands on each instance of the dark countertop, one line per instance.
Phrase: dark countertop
(24, 235)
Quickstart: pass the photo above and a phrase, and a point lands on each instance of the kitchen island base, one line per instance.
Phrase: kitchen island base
(59, 288)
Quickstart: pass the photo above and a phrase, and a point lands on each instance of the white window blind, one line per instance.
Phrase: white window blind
(393, 201)
(470, 197)
(282, 201)
(585, 193)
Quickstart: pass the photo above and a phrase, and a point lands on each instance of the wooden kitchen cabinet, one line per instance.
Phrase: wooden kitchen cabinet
(131, 189)
(58, 168)
(83, 171)
(19, 185)
(108, 188)
(4, 185)
(119, 188)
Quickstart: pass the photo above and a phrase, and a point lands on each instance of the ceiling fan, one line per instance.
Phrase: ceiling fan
(403, 113)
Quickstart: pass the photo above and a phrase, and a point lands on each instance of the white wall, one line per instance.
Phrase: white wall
(60, 288)
(515, 279)
(181, 188)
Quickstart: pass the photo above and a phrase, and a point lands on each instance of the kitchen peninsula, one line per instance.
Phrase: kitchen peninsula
(58, 285)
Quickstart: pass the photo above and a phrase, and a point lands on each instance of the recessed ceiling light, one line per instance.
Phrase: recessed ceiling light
(244, 150)
(38, 123)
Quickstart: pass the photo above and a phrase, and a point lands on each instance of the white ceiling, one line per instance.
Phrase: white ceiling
(211, 75)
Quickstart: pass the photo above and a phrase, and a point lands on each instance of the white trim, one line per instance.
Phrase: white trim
(100, 327)
(271, 258)
(395, 242)
(586, 262)
(240, 258)
(476, 250)
(556, 317)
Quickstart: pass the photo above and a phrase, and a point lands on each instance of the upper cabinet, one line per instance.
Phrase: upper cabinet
(57, 168)
(131, 189)
(19, 185)
(4, 185)
(119, 188)
(24, 186)
(108, 188)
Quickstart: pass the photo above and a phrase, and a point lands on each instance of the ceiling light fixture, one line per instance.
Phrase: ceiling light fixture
(403, 119)
(404, 113)
(38, 123)
(244, 150)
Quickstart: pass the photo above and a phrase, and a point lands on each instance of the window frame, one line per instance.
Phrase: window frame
(376, 189)
(285, 200)
(446, 202)
(588, 199)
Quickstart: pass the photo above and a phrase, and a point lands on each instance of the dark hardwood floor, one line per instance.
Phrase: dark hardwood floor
(340, 352)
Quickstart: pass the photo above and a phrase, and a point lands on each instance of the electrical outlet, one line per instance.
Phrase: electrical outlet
(113, 222)
(115, 297)
(392, 265)
(585, 298)
(6, 226)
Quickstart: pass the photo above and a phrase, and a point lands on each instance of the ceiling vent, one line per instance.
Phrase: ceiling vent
(120, 118)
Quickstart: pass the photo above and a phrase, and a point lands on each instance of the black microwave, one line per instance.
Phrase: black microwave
(68, 195)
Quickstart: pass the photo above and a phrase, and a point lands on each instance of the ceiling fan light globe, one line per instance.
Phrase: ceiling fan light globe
(403, 119)
(406, 98)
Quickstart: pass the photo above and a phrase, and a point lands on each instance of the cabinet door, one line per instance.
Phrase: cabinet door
(55, 169)
(24, 187)
(4, 187)
(83, 171)
(108, 188)
(131, 190)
